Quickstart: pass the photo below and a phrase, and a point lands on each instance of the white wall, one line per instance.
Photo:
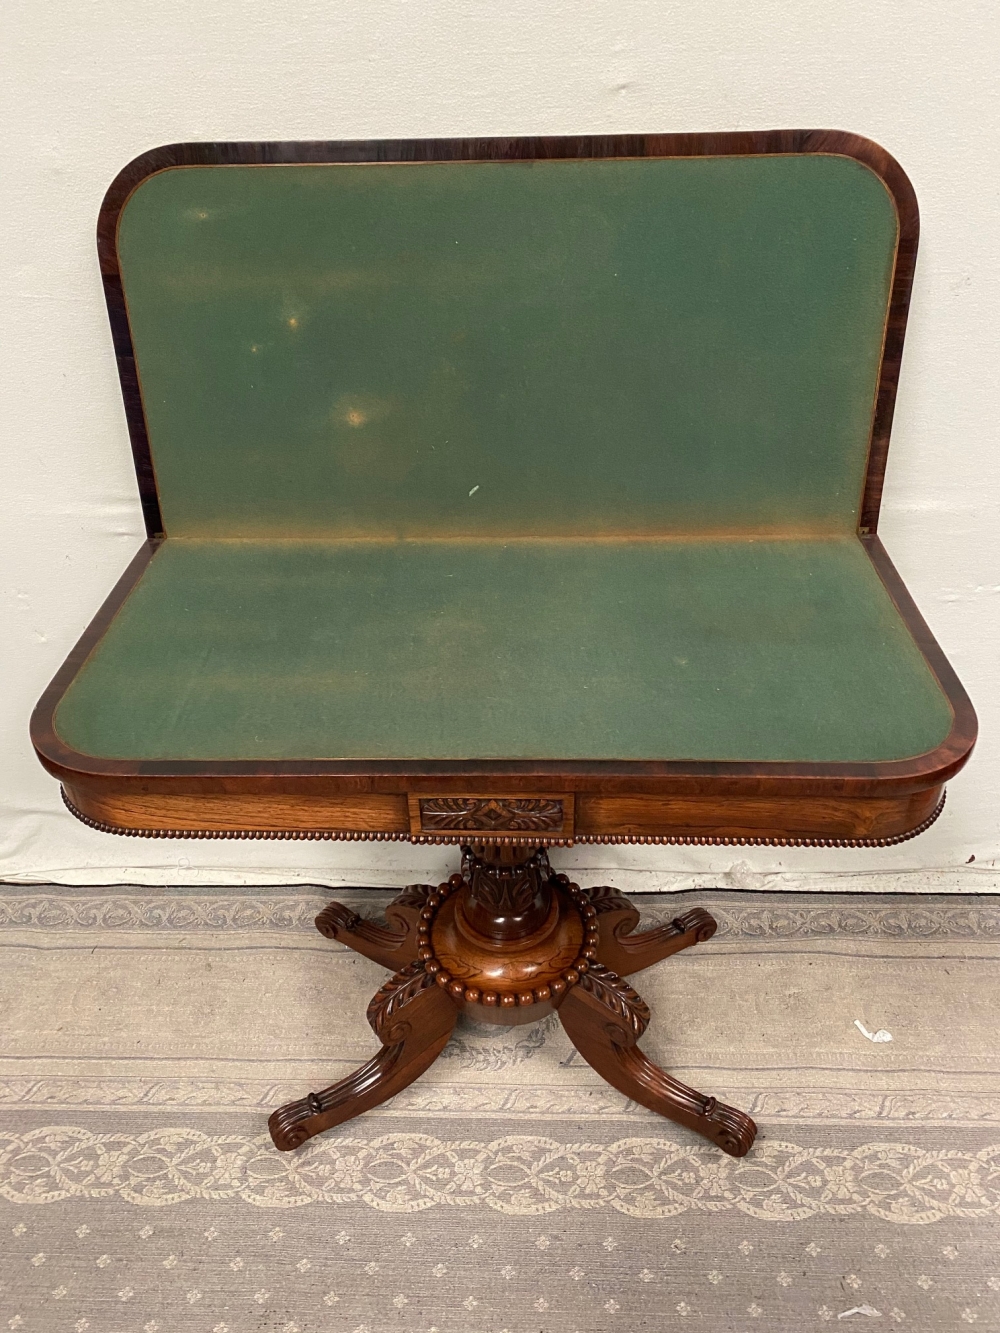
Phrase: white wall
(87, 86)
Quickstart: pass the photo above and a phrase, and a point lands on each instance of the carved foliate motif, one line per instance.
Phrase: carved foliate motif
(506, 890)
(412, 898)
(606, 899)
(491, 814)
(398, 991)
(626, 1008)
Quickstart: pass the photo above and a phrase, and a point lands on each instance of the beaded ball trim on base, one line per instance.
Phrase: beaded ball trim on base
(501, 998)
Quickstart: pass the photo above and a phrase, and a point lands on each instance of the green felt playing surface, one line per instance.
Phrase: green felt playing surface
(533, 347)
(739, 650)
(521, 460)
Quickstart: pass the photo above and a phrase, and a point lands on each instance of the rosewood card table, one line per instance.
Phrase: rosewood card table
(510, 494)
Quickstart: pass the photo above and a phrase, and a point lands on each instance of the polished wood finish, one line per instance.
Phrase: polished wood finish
(269, 805)
(510, 942)
(413, 1019)
(604, 1018)
(393, 945)
(623, 951)
(551, 814)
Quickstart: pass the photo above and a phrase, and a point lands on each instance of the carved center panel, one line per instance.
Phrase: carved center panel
(492, 814)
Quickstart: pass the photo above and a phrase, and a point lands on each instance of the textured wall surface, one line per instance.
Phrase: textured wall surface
(86, 88)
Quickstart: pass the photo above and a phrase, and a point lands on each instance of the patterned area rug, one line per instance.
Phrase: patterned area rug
(146, 1034)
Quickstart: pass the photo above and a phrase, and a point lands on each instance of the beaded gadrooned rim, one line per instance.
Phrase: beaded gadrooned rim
(481, 835)
(507, 999)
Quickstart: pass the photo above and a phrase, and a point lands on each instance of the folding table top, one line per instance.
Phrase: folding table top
(690, 649)
(530, 452)
(539, 348)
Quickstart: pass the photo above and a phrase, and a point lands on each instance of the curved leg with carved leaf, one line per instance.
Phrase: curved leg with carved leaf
(623, 952)
(413, 1018)
(604, 1018)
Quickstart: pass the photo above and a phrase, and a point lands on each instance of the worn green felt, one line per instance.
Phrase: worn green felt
(736, 650)
(477, 387)
(523, 347)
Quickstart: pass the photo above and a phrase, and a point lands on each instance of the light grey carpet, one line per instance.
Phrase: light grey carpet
(146, 1034)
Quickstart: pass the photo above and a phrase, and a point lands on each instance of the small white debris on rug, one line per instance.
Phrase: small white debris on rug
(869, 1310)
(880, 1035)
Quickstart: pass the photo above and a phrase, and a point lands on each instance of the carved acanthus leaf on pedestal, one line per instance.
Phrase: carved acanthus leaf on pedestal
(506, 890)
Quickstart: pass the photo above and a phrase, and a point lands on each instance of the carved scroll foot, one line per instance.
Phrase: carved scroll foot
(413, 1017)
(393, 945)
(604, 1018)
(623, 952)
